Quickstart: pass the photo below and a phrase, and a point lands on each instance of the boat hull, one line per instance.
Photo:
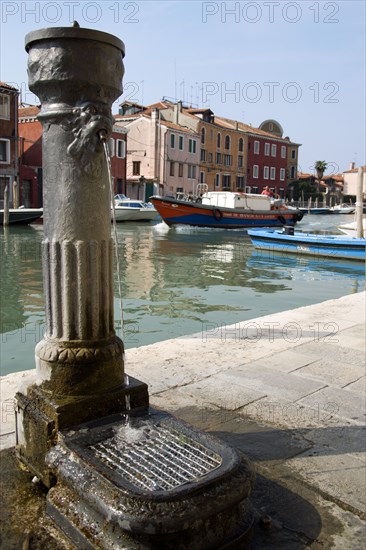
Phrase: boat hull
(330, 246)
(316, 211)
(135, 215)
(175, 212)
(22, 216)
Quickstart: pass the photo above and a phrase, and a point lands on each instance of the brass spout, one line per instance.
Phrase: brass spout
(103, 135)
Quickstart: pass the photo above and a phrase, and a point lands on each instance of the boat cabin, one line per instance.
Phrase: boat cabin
(245, 201)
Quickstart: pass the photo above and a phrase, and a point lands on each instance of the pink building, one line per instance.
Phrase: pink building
(162, 157)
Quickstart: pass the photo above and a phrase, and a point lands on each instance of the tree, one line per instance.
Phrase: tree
(320, 167)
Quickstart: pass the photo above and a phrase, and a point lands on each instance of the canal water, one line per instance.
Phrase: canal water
(175, 282)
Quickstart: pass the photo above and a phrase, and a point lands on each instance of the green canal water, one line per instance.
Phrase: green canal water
(174, 283)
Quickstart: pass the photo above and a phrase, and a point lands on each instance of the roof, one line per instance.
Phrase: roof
(125, 119)
(27, 112)
(354, 170)
(335, 177)
(242, 127)
(8, 87)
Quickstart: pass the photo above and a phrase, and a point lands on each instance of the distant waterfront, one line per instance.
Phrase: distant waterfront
(174, 282)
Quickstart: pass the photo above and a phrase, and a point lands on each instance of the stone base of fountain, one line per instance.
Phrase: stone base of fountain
(40, 416)
(149, 481)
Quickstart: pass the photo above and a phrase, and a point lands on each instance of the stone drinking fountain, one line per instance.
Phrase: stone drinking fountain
(119, 474)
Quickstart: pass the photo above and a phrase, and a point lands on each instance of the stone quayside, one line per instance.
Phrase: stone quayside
(119, 474)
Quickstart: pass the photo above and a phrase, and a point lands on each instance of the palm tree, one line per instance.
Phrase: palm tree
(320, 167)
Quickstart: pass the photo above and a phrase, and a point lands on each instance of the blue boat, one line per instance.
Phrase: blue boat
(330, 246)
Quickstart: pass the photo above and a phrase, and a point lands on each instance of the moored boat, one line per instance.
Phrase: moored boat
(22, 216)
(342, 209)
(132, 210)
(331, 246)
(315, 210)
(226, 210)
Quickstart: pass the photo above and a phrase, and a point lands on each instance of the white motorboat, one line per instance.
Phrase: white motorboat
(133, 210)
(343, 209)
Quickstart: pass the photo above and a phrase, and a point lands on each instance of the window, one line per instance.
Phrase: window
(241, 145)
(121, 148)
(240, 182)
(218, 158)
(227, 143)
(266, 149)
(227, 160)
(136, 166)
(226, 180)
(202, 177)
(4, 106)
(293, 172)
(282, 174)
(180, 170)
(203, 154)
(180, 143)
(255, 171)
(255, 190)
(283, 151)
(266, 172)
(171, 169)
(218, 143)
(172, 141)
(5, 151)
(217, 180)
(273, 173)
(293, 153)
(256, 147)
(240, 161)
(273, 150)
(192, 146)
(191, 171)
(203, 135)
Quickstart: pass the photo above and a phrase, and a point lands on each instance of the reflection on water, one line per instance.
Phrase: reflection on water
(174, 282)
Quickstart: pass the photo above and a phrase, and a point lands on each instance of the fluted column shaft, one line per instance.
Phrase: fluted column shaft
(77, 74)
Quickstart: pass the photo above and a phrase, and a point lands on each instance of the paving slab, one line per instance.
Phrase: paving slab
(331, 372)
(347, 405)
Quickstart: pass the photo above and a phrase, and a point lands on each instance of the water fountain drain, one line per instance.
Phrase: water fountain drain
(161, 459)
(152, 455)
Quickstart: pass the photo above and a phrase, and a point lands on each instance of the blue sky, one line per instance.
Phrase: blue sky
(301, 63)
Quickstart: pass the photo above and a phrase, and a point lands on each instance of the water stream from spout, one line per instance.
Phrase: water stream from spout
(115, 236)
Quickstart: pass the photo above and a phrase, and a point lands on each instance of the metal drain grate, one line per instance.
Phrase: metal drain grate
(157, 458)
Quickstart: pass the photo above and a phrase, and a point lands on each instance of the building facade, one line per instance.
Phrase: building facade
(9, 168)
(350, 178)
(232, 156)
(31, 165)
(162, 157)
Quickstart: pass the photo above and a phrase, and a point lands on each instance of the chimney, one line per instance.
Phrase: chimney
(177, 110)
(154, 114)
(352, 165)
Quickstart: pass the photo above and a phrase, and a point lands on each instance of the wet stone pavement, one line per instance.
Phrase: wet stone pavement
(289, 514)
(295, 407)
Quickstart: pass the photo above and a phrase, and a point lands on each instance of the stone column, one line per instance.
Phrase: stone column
(77, 74)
